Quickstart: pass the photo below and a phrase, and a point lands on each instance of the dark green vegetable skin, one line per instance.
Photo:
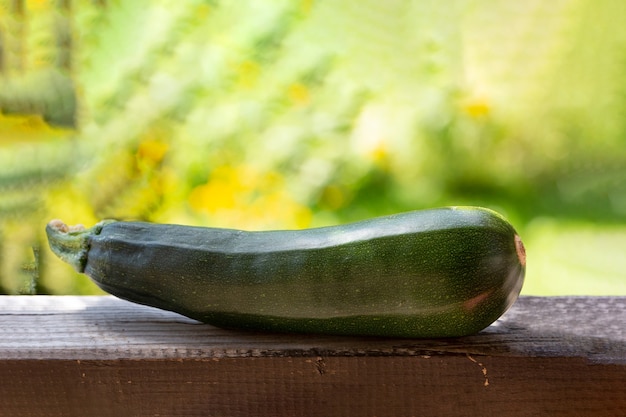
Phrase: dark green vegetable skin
(433, 273)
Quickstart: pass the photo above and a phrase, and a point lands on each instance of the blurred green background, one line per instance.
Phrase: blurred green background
(294, 114)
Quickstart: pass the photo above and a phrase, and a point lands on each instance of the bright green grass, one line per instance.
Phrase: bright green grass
(575, 259)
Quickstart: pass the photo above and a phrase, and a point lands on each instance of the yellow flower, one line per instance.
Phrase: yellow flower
(477, 107)
(152, 151)
(242, 197)
(298, 94)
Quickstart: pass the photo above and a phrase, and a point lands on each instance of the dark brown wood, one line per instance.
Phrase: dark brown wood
(99, 356)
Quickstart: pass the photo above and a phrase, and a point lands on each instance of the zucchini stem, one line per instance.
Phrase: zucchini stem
(71, 243)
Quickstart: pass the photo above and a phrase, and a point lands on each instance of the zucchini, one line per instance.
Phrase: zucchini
(432, 273)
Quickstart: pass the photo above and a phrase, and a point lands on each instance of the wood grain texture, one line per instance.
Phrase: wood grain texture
(100, 356)
(104, 328)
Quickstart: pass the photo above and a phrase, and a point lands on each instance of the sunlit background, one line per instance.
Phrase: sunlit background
(294, 114)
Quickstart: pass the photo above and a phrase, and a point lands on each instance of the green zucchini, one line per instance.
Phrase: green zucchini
(433, 273)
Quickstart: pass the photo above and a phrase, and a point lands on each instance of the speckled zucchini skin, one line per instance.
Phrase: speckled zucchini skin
(433, 273)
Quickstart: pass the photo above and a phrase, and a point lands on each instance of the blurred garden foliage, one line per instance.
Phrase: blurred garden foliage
(294, 114)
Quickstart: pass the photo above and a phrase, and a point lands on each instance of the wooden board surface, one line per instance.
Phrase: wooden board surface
(100, 356)
(43, 327)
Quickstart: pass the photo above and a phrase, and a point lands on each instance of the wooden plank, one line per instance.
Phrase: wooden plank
(48, 327)
(100, 356)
